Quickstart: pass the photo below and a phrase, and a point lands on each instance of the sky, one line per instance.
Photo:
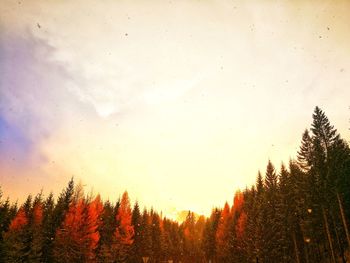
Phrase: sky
(178, 102)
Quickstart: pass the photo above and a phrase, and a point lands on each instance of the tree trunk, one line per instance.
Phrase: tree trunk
(328, 235)
(305, 245)
(343, 219)
(296, 249)
(341, 250)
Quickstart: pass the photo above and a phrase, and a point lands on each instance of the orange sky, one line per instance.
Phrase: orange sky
(180, 102)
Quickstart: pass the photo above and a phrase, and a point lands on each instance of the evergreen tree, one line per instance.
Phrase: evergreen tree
(54, 218)
(305, 152)
(7, 213)
(259, 220)
(284, 215)
(169, 240)
(271, 228)
(136, 220)
(189, 233)
(176, 242)
(146, 240)
(323, 130)
(249, 238)
(156, 237)
(47, 227)
(108, 226)
(209, 235)
(323, 136)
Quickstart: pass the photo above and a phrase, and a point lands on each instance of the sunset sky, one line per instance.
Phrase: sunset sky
(178, 102)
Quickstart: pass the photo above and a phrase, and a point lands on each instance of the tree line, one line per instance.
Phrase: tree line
(298, 213)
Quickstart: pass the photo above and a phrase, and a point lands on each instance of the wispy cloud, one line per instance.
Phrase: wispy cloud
(34, 99)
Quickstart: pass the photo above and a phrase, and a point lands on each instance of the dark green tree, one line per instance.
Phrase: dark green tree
(52, 222)
(135, 250)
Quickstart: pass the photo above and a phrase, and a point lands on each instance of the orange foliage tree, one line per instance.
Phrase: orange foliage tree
(124, 233)
(77, 239)
(238, 201)
(37, 214)
(223, 234)
(240, 226)
(19, 221)
(16, 238)
(24, 238)
(93, 222)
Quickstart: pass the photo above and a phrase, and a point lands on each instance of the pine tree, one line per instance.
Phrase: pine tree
(54, 218)
(270, 179)
(199, 230)
(305, 152)
(284, 215)
(209, 235)
(146, 240)
(136, 220)
(190, 239)
(249, 240)
(7, 213)
(170, 240)
(271, 226)
(324, 137)
(165, 240)
(156, 232)
(259, 184)
(108, 226)
(177, 246)
(323, 130)
(301, 224)
(339, 162)
(47, 227)
(259, 220)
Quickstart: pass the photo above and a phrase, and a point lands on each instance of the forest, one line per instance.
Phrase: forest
(298, 212)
